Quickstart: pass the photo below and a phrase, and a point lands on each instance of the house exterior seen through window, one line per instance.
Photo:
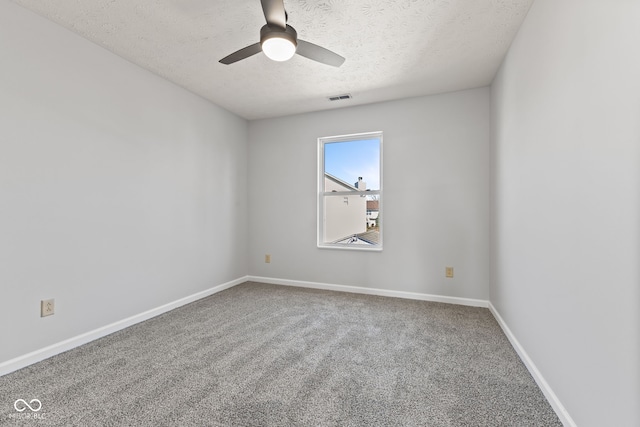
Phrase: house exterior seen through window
(350, 191)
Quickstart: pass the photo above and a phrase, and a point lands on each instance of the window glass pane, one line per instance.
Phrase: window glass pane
(344, 217)
(354, 165)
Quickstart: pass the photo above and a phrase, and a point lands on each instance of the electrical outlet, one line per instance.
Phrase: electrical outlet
(449, 272)
(267, 258)
(47, 307)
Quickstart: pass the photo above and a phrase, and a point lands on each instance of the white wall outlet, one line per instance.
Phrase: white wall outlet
(267, 258)
(47, 307)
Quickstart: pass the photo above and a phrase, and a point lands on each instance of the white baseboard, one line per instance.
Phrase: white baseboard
(555, 403)
(52, 350)
(372, 291)
(46, 352)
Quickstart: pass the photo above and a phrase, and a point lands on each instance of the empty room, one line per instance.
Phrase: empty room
(320, 213)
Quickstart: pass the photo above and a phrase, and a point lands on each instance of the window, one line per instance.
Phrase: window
(350, 191)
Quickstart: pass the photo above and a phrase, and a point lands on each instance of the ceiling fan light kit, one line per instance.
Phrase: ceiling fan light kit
(277, 44)
(280, 42)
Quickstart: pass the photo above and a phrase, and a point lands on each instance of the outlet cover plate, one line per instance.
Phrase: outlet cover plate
(47, 307)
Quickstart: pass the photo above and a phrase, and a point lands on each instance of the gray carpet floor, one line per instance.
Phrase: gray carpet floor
(265, 355)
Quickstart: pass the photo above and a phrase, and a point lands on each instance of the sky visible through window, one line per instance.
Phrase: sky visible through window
(351, 159)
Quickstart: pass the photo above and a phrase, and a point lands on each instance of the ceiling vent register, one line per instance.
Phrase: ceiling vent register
(340, 97)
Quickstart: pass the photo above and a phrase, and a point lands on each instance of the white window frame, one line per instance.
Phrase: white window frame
(322, 193)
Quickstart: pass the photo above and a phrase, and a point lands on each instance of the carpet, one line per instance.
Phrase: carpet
(267, 355)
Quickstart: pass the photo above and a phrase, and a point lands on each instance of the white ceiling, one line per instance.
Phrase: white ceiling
(393, 48)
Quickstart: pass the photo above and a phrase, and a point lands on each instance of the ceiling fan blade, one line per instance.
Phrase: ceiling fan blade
(274, 13)
(242, 54)
(320, 54)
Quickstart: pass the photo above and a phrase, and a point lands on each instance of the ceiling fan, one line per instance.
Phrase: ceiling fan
(280, 41)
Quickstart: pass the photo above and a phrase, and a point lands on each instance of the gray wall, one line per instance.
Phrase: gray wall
(566, 208)
(436, 196)
(119, 192)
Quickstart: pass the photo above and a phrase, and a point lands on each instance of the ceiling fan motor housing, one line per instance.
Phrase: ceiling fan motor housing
(267, 32)
(279, 44)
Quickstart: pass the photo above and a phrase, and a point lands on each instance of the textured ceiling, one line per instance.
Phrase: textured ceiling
(393, 48)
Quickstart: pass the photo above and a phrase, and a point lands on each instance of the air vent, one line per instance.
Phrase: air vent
(340, 97)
